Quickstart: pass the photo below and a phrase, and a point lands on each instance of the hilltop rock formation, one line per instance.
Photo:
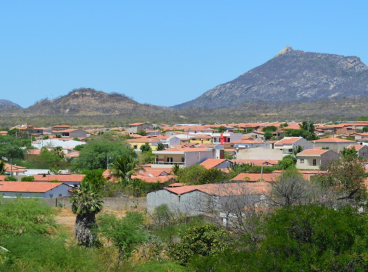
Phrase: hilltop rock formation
(291, 76)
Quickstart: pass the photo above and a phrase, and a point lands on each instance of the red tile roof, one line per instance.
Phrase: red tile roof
(225, 189)
(61, 178)
(136, 124)
(333, 140)
(315, 151)
(27, 187)
(211, 163)
(357, 147)
(288, 140)
(253, 177)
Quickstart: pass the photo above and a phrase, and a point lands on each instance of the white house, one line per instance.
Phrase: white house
(288, 144)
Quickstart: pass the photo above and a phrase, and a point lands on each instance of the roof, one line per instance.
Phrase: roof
(136, 124)
(357, 147)
(211, 163)
(61, 178)
(255, 162)
(315, 151)
(27, 187)
(288, 140)
(224, 189)
(333, 140)
(253, 177)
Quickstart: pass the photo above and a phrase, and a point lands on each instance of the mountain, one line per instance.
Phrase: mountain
(291, 76)
(8, 105)
(86, 101)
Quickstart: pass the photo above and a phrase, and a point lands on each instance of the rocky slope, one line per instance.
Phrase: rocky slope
(8, 105)
(86, 101)
(291, 76)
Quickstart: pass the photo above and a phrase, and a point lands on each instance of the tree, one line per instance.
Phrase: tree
(160, 147)
(268, 135)
(145, 148)
(123, 167)
(10, 178)
(221, 129)
(86, 203)
(269, 128)
(2, 167)
(142, 132)
(95, 178)
(124, 233)
(96, 153)
(365, 129)
(198, 174)
(202, 240)
(312, 238)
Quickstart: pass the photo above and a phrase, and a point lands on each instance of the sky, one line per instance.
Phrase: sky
(161, 52)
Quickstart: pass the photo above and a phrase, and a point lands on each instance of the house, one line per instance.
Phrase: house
(361, 149)
(313, 159)
(289, 144)
(256, 162)
(255, 177)
(259, 153)
(242, 144)
(71, 133)
(42, 131)
(186, 156)
(335, 144)
(153, 142)
(60, 127)
(227, 137)
(134, 128)
(63, 142)
(216, 163)
(361, 137)
(10, 189)
(73, 180)
(199, 199)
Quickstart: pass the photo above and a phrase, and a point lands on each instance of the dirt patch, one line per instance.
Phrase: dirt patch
(65, 218)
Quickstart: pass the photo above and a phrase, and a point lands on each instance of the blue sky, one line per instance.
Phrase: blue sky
(161, 52)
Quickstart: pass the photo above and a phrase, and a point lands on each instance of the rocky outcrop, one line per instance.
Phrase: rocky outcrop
(291, 76)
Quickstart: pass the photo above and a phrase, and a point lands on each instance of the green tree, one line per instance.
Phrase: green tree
(28, 179)
(365, 129)
(268, 135)
(123, 167)
(95, 178)
(221, 129)
(124, 233)
(203, 240)
(269, 128)
(86, 203)
(142, 132)
(198, 174)
(97, 152)
(2, 167)
(312, 238)
(160, 147)
(145, 148)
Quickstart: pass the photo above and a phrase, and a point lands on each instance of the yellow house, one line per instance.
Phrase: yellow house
(200, 139)
(137, 143)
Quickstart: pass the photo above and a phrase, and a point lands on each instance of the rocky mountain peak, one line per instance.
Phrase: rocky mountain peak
(285, 50)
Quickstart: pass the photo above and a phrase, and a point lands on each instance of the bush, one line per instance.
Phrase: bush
(29, 178)
(10, 178)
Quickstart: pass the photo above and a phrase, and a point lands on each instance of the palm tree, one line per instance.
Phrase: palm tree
(86, 203)
(123, 167)
(2, 167)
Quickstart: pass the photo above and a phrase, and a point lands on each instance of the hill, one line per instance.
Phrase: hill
(8, 105)
(86, 101)
(291, 76)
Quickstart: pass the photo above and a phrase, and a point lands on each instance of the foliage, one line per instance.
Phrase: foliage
(221, 129)
(123, 166)
(270, 129)
(201, 240)
(268, 135)
(236, 169)
(365, 129)
(284, 125)
(142, 132)
(287, 162)
(125, 233)
(313, 238)
(95, 178)
(11, 147)
(347, 175)
(160, 147)
(139, 188)
(10, 178)
(79, 147)
(94, 154)
(86, 203)
(2, 167)
(145, 148)
(306, 131)
(29, 178)
(198, 174)
(55, 170)
(25, 215)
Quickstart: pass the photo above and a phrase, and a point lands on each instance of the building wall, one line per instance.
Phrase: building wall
(140, 127)
(308, 162)
(61, 190)
(78, 134)
(196, 157)
(259, 153)
(337, 147)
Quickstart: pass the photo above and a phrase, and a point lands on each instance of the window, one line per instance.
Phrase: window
(314, 162)
(135, 146)
(301, 160)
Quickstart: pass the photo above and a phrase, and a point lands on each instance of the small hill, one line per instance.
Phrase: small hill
(8, 105)
(86, 101)
(291, 76)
